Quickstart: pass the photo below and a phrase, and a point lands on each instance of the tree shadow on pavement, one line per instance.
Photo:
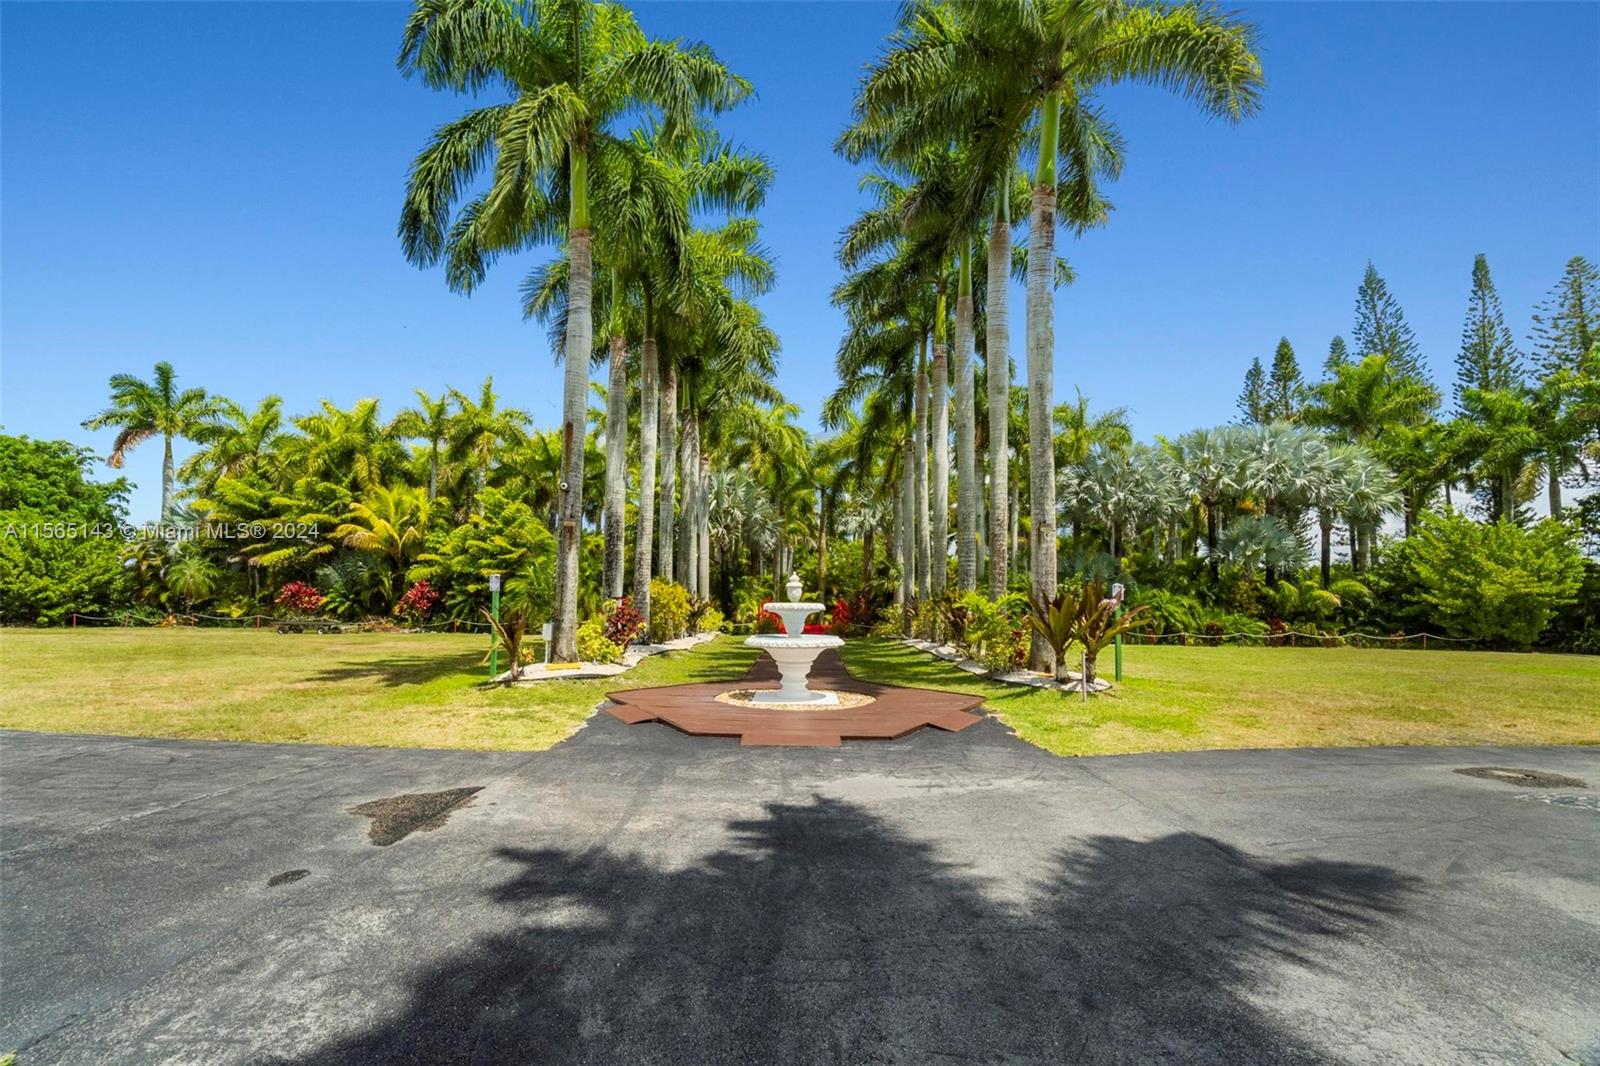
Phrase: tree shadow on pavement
(826, 935)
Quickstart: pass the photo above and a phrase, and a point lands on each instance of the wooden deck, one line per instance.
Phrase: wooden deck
(693, 709)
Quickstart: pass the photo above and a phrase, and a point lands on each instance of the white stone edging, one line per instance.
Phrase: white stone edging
(1027, 678)
(631, 657)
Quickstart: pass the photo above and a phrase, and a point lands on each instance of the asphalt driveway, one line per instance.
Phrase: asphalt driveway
(637, 896)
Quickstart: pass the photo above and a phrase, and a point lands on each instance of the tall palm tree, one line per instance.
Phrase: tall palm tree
(351, 448)
(978, 74)
(478, 430)
(430, 422)
(573, 71)
(1058, 53)
(144, 409)
(1206, 458)
(646, 264)
(390, 522)
(238, 442)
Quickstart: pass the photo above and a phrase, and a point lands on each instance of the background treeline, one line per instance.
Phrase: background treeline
(1353, 502)
(1368, 498)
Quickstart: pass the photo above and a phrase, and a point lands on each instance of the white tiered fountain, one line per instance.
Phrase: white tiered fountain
(794, 650)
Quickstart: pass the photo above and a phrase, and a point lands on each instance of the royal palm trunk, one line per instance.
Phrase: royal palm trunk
(939, 423)
(616, 506)
(703, 525)
(920, 443)
(967, 488)
(669, 472)
(579, 342)
(643, 547)
(1325, 522)
(908, 550)
(996, 353)
(686, 563)
(1041, 372)
(822, 550)
(167, 479)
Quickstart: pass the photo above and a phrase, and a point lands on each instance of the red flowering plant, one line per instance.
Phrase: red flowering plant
(841, 618)
(767, 622)
(299, 596)
(624, 623)
(419, 599)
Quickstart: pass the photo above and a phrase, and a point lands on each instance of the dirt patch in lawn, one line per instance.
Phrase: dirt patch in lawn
(397, 817)
(1522, 778)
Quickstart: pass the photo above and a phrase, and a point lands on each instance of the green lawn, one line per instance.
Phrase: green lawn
(1187, 698)
(406, 690)
(388, 690)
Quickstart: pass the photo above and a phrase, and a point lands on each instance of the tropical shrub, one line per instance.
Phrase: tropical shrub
(504, 537)
(1081, 614)
(593, 644)
(1307, 602)
(44, 579)
(354, 584)
(418, 600)
(623, 622)
(1576, 627)
(1056, 620)
(60, 534)
(699, 606)
(767, 622)
(194, 579)
(669, 610)
(1496, 581)
(710, 622)
(956, 616)
(1355, 599)
(1219, 624)
(998, 630)
(299, 596)
(839, 621)
(1167, 612)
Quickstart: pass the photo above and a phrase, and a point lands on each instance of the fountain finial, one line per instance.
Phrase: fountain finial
(793, 587)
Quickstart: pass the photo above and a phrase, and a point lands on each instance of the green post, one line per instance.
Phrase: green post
(494, 633)
(1118, 641)
(1116, 590)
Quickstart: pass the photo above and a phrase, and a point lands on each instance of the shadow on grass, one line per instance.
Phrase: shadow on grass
(400, 670)
(823, 934)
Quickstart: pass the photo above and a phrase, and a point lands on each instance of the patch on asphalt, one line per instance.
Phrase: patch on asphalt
(288, 877)
(1577, 803)
(1522, 778)
(397, 817)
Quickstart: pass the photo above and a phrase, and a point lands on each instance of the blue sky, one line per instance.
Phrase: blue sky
(218, 184)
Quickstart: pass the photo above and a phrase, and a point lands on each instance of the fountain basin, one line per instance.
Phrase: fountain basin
(794, 656)
(793, 615)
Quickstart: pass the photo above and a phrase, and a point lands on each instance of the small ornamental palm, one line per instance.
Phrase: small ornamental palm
(1056, 620)
(1099, 624)
(1080, 614)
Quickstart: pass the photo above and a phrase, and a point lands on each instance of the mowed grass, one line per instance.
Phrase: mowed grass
(382, 690)
(415, 690)
(1189, 698)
